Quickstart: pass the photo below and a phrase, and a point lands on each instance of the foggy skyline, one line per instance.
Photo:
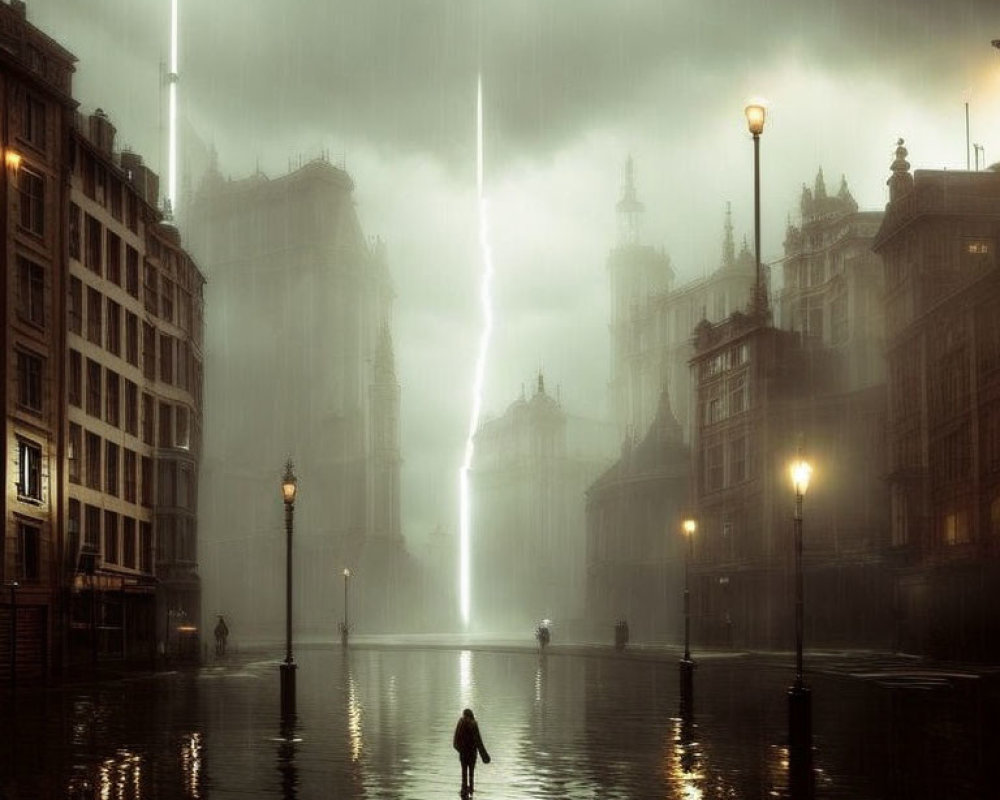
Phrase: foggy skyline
(570, 89)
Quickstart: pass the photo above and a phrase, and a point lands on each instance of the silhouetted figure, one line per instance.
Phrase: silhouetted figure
(543, 635)
(221, 635)
(468, 742)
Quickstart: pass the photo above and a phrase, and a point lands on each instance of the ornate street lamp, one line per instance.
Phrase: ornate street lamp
(288, 489)
(799, 698)
(755, 122)
(689, 527)
(345, 626)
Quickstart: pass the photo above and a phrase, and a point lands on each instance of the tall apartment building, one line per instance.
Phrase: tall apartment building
(101, 374)
(35, 83)
(652, 318)
(300, 363)
(939, 243)
(134, 374)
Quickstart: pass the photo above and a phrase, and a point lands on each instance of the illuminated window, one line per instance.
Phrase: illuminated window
(32, 190)
(955, 528)
(29, 470)
(977, 248)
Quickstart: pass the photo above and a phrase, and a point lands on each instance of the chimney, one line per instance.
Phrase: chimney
(102, 132)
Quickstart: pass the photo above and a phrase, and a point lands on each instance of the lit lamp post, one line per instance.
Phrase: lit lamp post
(755, 122)
(345, 626)
(689, 526)
(288, 486)
(799, 700)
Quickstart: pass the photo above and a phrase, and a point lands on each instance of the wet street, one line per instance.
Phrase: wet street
(376, 722)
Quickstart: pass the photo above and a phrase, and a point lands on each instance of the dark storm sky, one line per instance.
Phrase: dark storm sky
(571, 87)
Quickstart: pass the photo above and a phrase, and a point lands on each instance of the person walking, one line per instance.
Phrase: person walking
(468, 742)
(221, 635)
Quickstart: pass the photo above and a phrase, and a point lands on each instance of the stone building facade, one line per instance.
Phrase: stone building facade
(635, 551)
(939, 242)
(101, 365)
(652, 316)
(300, 364)
(531, 468)
(35, 84)
(134, 375)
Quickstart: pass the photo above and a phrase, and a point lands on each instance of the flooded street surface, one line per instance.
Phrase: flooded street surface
(377, 723)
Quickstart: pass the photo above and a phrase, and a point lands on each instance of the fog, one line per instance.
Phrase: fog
(571, 89)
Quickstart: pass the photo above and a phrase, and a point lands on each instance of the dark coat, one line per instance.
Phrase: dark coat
(468, 741)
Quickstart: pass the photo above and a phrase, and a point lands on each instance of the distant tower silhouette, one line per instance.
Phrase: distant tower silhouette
(630, 210)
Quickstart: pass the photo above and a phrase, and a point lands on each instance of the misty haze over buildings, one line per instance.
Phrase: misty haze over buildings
(570, 90)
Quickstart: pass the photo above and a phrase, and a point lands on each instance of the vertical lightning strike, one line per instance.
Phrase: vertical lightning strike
(486, 300)
(172, 114)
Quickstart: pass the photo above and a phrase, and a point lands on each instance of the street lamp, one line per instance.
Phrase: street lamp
(799, 700)
(345, 625)
(800, 471)
(755, 122)
(688, 526)
(288, 488)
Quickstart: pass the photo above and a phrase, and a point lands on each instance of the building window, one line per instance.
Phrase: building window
(132, 271)
(73, 523)
(738, 460)
(93, 388)
(92, 245)
(132, 212)
(995, 517)
(838, 317)
(183, 433)
(114, 343)
(111, 469)
(93, 454)
(132, 339)
(148, 351)
(129, 481)
(112, 411)
(166, 358)
(131, 408)
(75, 311)
(145, 547)
(183, 364)
(29, 470)
(92, 527)
(33, 122)
(75, 379)
(955, 528)
(738, 394)
(31, 305)
(94, 316)
(150, 281)
(146, 481)
(713, 467)
(74, 450)
(166, 425)
(114, 245)
(110, 537)
(148, 419)
(167, 484)
(27, 560)
(74, 231)
(128, 542)
(31, 187)
(185, 488)
(29, 381)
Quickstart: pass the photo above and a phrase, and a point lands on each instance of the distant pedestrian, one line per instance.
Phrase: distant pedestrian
(221, 635)
(469, 742)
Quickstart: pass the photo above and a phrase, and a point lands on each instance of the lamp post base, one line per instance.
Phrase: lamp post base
(687, 684)
(800, 771)
(287, 670)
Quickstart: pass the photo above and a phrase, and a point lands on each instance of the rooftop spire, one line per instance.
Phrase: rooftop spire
(629, 207)
(728, 245)
(901, 181)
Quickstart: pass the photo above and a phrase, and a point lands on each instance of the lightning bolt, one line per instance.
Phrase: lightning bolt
(486, 301)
